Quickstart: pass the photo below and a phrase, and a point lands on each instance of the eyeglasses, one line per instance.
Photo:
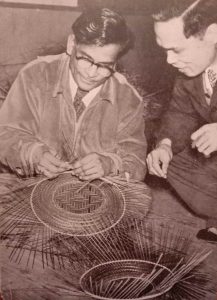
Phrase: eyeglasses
(86, 63)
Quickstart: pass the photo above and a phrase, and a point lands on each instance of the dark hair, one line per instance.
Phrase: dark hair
(101, 27)
(197, 15)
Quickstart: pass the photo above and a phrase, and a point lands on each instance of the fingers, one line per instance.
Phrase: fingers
(165, 166)
(27, 168)
(203, 146)
(198, 133)
(205, 139)
(198, 142)
(51, 166)
(88, 168)
(91, 174)
(208, 151)
(46, 172)
(82, 166)
(154, 165)
(158, 161)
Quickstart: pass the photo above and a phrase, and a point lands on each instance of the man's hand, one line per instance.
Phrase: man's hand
(205, 139)
(49, 164)
(158, 160)
(91, 166)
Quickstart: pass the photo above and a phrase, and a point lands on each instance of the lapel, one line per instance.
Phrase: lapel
(213, 105)
(214, 97)
(199, 99)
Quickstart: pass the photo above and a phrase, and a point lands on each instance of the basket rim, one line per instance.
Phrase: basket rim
(71, 214)
(122, 261)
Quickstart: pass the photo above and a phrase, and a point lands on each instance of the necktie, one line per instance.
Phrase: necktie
(78, 103)
(212, 76)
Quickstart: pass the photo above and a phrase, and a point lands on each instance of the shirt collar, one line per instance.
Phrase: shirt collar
(89, 96)
(213, 66)
(207, 86)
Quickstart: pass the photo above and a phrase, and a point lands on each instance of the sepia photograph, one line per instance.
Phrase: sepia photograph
(108, 149)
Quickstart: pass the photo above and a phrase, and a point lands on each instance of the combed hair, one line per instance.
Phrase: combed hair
(197, 15)
(101, 27)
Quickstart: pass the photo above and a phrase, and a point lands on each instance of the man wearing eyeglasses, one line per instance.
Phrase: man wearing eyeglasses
(73, 111)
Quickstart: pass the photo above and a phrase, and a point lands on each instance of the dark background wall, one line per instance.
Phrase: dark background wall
(29, 30)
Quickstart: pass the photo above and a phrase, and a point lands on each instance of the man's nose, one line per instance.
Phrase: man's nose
(171, 57)
(92, 70)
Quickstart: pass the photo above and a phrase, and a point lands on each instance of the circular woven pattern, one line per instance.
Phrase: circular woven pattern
(126, 279)
(73, 207)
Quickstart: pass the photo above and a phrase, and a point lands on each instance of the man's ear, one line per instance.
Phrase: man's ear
(70, 44)
(211, 33)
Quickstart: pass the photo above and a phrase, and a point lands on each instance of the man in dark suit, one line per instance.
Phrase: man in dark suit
(186, 150)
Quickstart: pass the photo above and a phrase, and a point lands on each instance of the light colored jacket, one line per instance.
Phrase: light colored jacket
(39, 110)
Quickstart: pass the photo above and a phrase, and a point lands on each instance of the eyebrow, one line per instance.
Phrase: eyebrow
(178, 48)
(98, 62)
(175, 49)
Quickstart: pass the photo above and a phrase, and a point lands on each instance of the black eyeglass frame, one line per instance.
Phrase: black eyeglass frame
(98, 65)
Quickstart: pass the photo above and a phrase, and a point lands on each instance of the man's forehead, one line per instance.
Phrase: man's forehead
(169, 34)
(106, 53)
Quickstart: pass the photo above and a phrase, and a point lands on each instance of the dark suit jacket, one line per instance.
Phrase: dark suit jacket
(187, 112)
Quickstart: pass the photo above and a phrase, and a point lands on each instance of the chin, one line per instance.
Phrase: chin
(86, 86)
(189, 73)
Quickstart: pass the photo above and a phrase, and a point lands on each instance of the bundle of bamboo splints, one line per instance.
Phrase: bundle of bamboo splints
(140, 259)
(98, 229)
